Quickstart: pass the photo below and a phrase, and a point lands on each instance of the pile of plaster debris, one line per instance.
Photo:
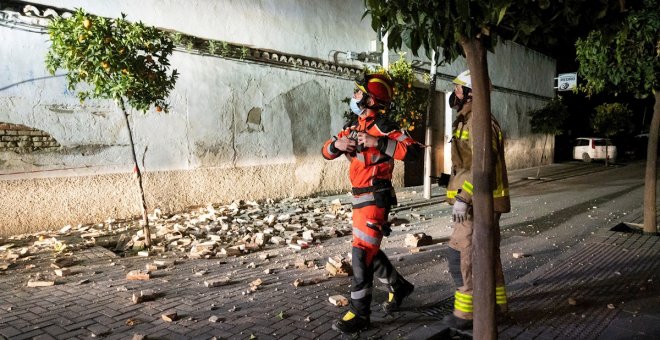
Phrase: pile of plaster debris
(214, 231)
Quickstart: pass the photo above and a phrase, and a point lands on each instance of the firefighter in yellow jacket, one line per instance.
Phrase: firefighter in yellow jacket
(459, 194)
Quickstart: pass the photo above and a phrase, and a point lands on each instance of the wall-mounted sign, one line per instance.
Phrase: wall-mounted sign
(566, 81)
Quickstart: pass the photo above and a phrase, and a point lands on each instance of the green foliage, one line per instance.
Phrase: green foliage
(625, 57)
(244, 52)
(550, 118)
(212, 46)
(611, 119)
(118, 59)
(442, 25)
(409, 102)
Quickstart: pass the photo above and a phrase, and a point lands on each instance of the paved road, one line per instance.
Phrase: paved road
(550, 219)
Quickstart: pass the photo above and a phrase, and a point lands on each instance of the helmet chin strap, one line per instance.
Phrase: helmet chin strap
(365, 99)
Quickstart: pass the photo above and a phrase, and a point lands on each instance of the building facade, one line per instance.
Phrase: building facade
(246, 124)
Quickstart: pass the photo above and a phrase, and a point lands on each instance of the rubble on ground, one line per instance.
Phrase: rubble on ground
(338, 266)
(418, 240)
(214, 231)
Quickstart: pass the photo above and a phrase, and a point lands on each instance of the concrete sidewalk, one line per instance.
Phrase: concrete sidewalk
(608, 268)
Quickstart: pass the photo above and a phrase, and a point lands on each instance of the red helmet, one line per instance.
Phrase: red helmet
(378, 85)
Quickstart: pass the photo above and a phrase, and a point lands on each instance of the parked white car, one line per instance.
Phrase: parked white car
(590, 148)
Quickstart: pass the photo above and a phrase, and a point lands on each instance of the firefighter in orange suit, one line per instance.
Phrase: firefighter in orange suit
(371, 142)
(459, 194)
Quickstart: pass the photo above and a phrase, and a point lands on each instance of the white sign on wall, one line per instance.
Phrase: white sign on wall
(566, 81)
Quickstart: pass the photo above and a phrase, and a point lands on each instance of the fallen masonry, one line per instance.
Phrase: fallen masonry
(214, 231)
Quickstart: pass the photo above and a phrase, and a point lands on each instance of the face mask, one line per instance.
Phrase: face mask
(454, 102)
(354, 107)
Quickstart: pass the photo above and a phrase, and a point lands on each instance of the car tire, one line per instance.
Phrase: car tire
(586, 158)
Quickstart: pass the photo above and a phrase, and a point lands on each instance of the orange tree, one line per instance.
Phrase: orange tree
(116, 59)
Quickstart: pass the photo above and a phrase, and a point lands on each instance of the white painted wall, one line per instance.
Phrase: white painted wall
(205, 150)
(311, 28)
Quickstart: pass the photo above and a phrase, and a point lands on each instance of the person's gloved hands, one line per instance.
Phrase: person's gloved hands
(460, 212)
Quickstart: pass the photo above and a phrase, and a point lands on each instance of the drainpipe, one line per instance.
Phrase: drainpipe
(448, 134)
(428, 136)
(385, 60)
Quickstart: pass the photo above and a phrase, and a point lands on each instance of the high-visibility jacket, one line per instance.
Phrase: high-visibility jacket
(371, 168)
(460, 184)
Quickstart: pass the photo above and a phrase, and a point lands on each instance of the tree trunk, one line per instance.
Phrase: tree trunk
(136, 169)
(650, 223)
(607, 156)
(538, 170)
(483, 245)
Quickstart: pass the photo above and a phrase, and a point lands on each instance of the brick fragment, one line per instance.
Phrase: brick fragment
(169, 317)
(336, 261)
(144, 295)
(338, 266)
(338, 300)
(63, 272)
(305, 264)
(215, 318)
(40, 283)
(138, 275)
(231, 251)
(217, 283)
(418, 240)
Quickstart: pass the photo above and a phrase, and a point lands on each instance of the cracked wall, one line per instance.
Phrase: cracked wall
(236, 129)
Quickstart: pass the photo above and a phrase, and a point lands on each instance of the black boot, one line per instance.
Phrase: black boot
(395, 299)
(351, 323)
(452, 321)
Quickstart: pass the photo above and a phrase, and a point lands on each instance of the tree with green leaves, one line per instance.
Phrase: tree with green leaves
(610, 119)
(453, 28)
(408, 104)
(625, 57)
(548, 120)
(116, 59)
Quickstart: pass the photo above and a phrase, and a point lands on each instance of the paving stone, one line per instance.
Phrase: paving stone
(305, 333)
(54, 330)
(9, 332)
(28, 334)
(80, 324)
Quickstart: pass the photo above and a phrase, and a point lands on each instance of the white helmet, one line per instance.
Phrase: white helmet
(463, 79)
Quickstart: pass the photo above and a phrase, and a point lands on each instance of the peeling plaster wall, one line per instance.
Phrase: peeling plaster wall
(236, 130)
